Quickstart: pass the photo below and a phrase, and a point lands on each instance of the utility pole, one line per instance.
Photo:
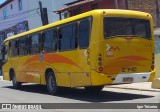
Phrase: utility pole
(116, 4)
(126, 2)
(41, 11)
(157, 13)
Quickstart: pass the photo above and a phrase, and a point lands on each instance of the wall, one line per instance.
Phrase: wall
(103, 4)
(12, 18)
(34, 18)
(121, 4)
(58, 4)
(30, 13)
(145, 6)
(157, 56)
(109, 4)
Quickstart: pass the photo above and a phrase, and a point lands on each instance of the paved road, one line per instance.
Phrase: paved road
(38, 94)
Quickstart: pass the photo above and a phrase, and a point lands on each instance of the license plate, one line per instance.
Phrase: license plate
(128, 79)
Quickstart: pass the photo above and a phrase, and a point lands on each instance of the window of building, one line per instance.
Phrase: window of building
(95, 6)
(13, 48)
(20, 5)
(34, 44)
(49, 40)
(5, 50)
(11, 6)
(68, 37)
(5, 13)
(77, 11)
(84, 33)
(23, 47)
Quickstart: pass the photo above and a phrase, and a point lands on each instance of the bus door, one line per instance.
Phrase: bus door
(32, 64)
(74, 44)
(83, 58)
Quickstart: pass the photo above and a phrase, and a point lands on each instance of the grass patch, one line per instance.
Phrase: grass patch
(157, 65)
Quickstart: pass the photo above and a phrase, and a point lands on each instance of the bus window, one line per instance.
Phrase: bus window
(116, 26)
(68, 37)
(13, 48)
(5, 53)
(84, 33)
(23, 48)
(49, 40)
(34, 44)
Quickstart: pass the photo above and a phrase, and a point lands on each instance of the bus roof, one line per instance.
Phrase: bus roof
(111, 12)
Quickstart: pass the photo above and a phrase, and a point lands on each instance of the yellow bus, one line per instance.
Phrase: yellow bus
(90, 50)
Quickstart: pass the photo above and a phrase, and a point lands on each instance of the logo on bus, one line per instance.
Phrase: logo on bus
(111, 49)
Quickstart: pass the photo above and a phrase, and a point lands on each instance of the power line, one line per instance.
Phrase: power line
(17, 14)
(32, 15)
(18, 18)
(8, 22)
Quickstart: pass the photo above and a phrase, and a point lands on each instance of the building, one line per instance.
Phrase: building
(17, 16)
(150, 6)
(80, 6)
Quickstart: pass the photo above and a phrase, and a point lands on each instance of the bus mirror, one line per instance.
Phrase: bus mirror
(43, 52)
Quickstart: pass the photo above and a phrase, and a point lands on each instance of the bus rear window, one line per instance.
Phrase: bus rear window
(116, 26)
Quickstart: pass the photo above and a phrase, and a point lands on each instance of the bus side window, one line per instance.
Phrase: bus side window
(59, 39)
(68, 37)
(84, 33)
(49, 40)
(75, 36)
(34, 44)
(5, 53)
(13, 48)
(23, 47)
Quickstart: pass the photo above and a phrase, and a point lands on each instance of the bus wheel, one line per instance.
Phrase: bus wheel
(52, 87)
(16, 84)
(94, 89)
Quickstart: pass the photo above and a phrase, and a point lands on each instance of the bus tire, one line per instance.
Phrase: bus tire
(16, 84)
(94, 89)
(52, 87)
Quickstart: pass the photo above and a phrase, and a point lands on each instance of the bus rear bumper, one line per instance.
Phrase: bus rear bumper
(134, 77)
(104, 79)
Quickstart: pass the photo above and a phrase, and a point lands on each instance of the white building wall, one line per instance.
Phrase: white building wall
(51, 5)
(57, 4)
(14, 15)
(29, 12)
(34, 17)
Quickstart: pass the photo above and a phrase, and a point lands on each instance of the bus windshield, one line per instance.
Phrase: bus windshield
(116, 26)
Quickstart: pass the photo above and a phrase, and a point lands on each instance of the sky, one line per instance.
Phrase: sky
(1, 1)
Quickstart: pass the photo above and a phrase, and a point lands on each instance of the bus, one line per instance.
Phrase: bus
(90, 50)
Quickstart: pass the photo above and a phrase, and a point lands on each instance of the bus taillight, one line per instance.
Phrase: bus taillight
(152, 67)
(100, 69)
(100, 64)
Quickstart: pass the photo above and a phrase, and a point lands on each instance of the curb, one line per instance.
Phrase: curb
(135, 89)
(156, 83)
(1, 77)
